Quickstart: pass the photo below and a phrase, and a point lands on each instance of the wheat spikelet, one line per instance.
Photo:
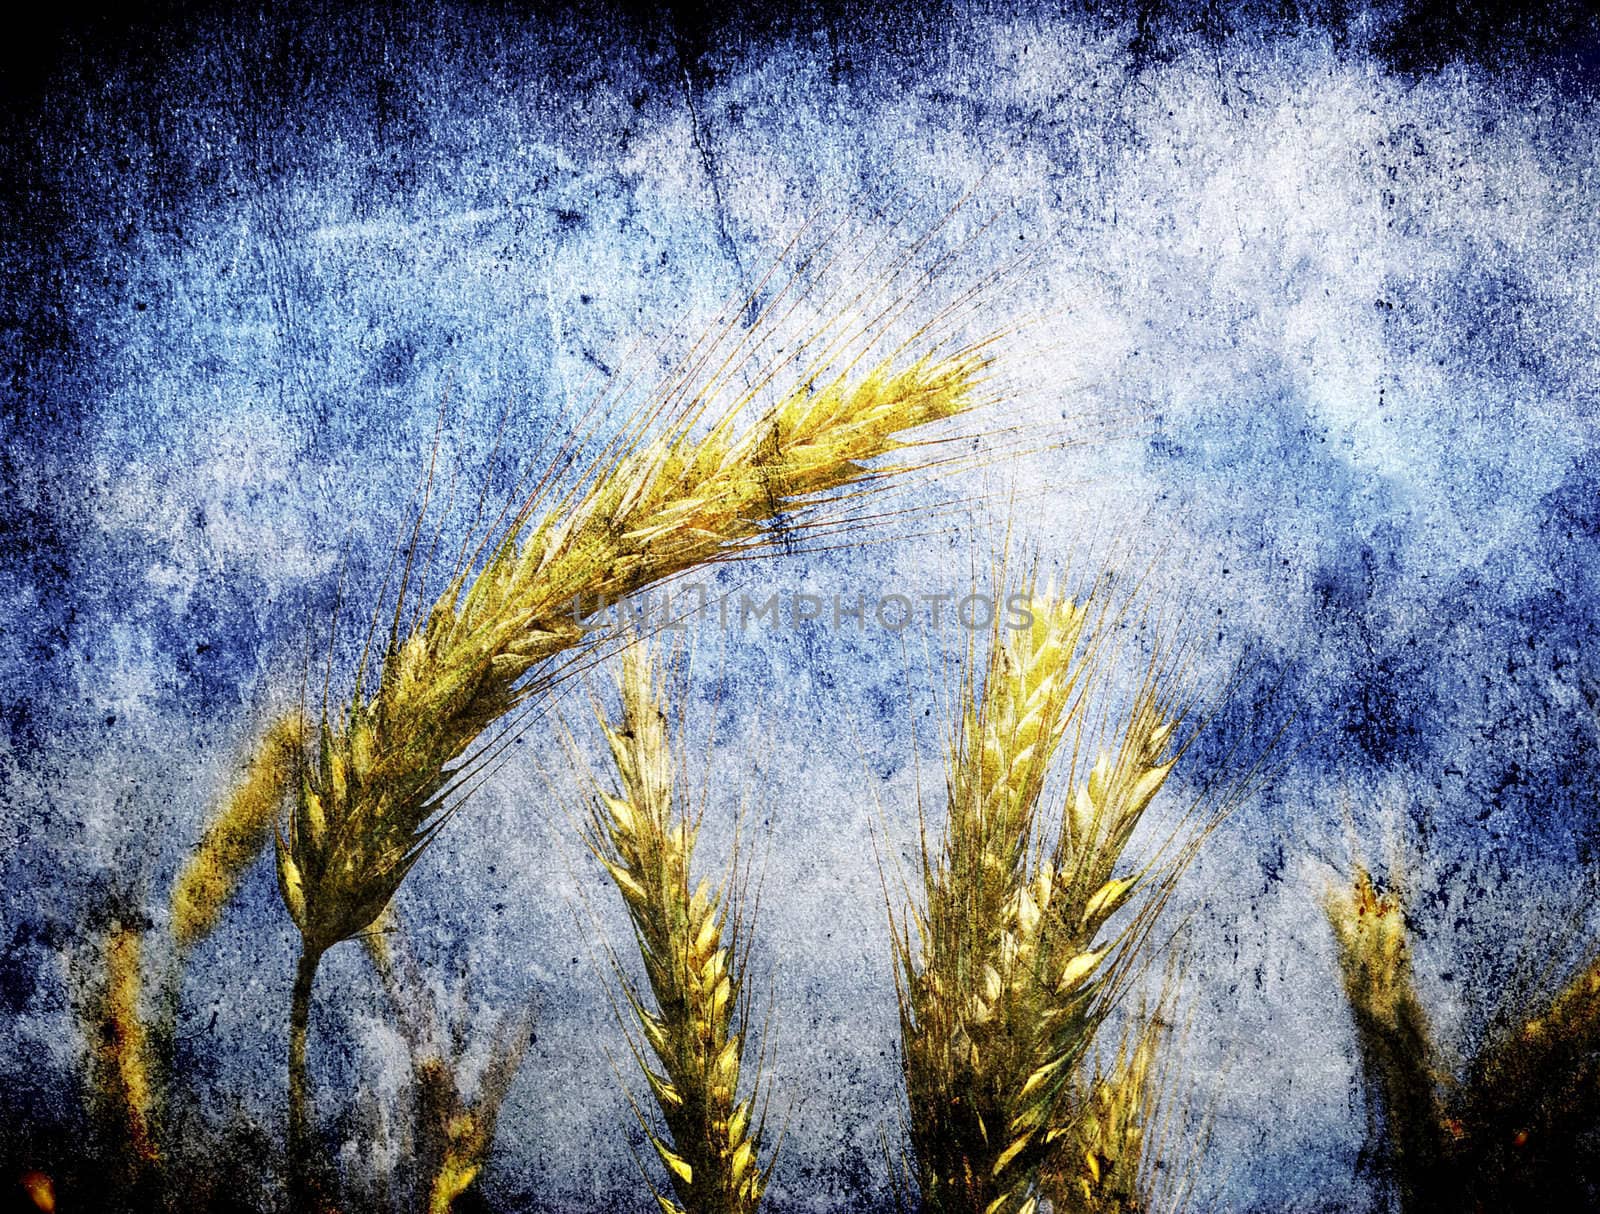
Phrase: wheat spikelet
(1374, 955)
(1104, 1169)
(237, 832)
(690, 946)
(1393, 1034)
(1000, 1002)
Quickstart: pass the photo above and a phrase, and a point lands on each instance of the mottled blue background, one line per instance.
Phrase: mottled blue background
(1333, 273)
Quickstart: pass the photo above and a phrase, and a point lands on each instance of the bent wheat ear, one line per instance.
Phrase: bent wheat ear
(692, 959)
(375, 792)
(372, 797)
(238, 832)
(1002, 981)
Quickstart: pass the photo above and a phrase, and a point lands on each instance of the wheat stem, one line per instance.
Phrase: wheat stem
(302, 1153)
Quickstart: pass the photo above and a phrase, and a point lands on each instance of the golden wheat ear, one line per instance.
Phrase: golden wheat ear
(1009, 966)
(1393, 1035)
(967, 1044)
(117, 1033)
(386, 769)
(1522, 1123)
(237, 833)
(453, 1133)
(1011, 716)
(464, 1129)
(692, 938)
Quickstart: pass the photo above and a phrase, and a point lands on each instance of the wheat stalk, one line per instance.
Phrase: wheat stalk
(1004, 979)
(691, 947)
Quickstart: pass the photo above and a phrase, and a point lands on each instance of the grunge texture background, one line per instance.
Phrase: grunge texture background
(1333, 273)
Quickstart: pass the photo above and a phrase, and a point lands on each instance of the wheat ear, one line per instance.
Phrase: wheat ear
(132, 1048)
(1506, 1134)
(122, 1052)
(1520, 1068)
(1530, 1103)
(454, 1135)
(369, 801)
(1001, 986)
(1393, 1034)
(690, 943)
(237, 832)
(458, 1134)
(952, 986)
(365, 802)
